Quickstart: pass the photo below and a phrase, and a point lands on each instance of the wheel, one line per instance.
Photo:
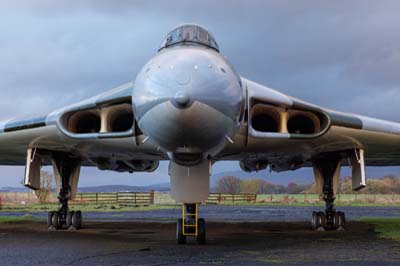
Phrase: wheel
(336, 220)
(180, 238)
(315, 221)
(342, 219)
(76, 220)
(50, 219)
(55, 220)
(68, 221)
(322, 219)
(201, 231)
(79, 219)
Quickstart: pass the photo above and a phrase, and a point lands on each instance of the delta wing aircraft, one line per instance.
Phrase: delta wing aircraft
(188, 105)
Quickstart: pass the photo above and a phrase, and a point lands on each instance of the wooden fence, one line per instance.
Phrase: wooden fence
(231, 198)
(148, 198)
(139, 198)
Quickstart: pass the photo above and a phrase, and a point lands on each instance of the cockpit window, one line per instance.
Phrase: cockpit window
(190, 34)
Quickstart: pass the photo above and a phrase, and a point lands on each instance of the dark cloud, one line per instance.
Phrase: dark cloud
(334, 54)
(339, 54)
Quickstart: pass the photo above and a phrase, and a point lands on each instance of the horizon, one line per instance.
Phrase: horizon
(91, 176)
(326, 54)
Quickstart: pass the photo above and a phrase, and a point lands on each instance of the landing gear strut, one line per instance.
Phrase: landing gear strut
(63, 218)
(190, 225)
(328, 168)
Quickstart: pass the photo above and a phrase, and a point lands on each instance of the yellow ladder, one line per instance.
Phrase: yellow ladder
(195, 225)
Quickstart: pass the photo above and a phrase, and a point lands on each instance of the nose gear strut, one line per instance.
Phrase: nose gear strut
(191, 225)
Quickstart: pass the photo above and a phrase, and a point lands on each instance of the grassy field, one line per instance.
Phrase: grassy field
(83, 207)
(386, 227)
(16, 219)
(305, 200)
(27, 202)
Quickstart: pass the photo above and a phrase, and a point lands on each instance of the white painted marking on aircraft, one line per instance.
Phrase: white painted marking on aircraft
(229, 139)
(145, 139)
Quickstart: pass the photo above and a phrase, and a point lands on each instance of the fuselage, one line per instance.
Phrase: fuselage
(189, 100)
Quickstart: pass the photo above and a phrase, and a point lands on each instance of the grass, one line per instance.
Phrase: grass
(386, 227)
(304, 204)
(16, 219)
(84, 207)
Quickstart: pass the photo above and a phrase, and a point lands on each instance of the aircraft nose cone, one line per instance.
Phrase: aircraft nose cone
(182, 99)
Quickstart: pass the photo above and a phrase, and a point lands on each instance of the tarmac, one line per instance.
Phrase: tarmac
(229, 242)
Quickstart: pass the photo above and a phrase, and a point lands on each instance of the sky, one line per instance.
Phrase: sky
(343, 55)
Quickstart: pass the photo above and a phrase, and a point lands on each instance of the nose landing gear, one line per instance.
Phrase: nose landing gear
(190, 225)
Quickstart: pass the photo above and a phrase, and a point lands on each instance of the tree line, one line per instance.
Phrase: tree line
(234, 185)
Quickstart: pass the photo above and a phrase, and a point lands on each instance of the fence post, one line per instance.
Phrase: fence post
(233, 198)
(271, 198)
(219, 198)
(255, 198)
(135, 196)
(305, 197)
(116, 197)
(152, 197)
(81, 197)
(97, 197)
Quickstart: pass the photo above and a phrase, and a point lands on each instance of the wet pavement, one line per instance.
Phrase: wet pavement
(253, 236)
(231, 213)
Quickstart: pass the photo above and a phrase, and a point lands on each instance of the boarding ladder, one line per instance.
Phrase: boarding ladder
(187, 226)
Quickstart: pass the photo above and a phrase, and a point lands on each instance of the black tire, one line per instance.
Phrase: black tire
(79, 219)
(322, 219)
(76, 219)
(68, 221)
(55, 220)
(201, 232)
(336, 220)
(315, 221)
(50, 219)
(342, 219)
(180, 238)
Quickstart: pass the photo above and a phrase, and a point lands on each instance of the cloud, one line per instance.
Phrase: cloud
(324, 53)
(343, 54)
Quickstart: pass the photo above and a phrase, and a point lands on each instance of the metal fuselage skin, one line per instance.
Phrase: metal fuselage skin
(189, 99)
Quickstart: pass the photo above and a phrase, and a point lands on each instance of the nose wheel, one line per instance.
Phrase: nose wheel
(190, 225)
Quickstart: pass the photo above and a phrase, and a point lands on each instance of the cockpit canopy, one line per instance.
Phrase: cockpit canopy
(190, 33)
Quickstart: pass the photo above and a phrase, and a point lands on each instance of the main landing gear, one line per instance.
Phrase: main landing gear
(190, 225)
(64, 218)
(329, 168)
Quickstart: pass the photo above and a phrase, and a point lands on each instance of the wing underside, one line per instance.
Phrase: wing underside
(97, 128)
(276, 128)
(289, 132)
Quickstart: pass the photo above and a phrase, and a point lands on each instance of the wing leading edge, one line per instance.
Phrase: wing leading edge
(288, 135)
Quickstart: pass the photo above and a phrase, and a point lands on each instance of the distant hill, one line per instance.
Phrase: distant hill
(14, 189)
(303, 175)
(163, 187)
(120, 188)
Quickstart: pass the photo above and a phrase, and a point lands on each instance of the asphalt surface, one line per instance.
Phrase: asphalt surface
(237, 242)
(220, 213)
